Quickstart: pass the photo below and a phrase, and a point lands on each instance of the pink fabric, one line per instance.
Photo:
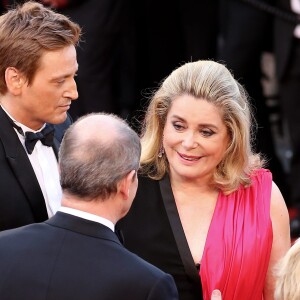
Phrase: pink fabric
(238, 246)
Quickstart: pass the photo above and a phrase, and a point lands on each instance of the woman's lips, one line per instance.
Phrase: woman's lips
(189, 157)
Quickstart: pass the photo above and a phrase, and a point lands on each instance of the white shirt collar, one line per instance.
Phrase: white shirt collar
(23, 127)
(87, 216)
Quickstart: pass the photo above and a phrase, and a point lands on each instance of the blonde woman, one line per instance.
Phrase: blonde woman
(206, 211)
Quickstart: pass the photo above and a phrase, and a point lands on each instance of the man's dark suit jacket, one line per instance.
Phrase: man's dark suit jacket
(21, 198)
(68, 257)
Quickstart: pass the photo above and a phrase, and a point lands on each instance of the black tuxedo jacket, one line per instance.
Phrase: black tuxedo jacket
(21, 198)
(152, 229)
(68, 257)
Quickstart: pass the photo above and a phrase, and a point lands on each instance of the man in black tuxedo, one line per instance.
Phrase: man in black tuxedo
(76, 254)
(37, 68)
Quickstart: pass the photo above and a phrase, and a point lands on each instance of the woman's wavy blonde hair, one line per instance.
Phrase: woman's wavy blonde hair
(288, 275)
(214, 83)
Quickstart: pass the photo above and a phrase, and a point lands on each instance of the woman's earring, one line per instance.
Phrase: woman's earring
(161, 151)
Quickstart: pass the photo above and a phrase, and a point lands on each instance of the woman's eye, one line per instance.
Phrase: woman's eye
(207, 133)
(177, 126)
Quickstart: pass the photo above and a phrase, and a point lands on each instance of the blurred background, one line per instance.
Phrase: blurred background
(129, 46)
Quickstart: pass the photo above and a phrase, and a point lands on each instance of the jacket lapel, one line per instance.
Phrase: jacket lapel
(22, 169)
(55, 147)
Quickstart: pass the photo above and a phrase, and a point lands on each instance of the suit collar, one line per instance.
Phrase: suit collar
(87, 216)
(8, 136)
(82, 226)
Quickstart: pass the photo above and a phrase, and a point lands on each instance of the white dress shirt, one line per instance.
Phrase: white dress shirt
(88, 216)
(45, 166)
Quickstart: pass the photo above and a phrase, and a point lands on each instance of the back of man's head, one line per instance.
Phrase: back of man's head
(97, 151)
(29, 30)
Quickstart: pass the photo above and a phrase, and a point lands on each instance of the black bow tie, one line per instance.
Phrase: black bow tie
(45, 136)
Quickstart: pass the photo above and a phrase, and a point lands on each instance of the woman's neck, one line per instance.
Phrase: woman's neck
(199, 185)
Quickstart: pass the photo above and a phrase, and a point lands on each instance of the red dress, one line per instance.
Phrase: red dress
(239, 241)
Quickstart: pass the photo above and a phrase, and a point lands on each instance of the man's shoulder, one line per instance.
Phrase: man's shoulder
(161, 284)
(61, 128)
(22, 231)
(141, 267)
(20, 236)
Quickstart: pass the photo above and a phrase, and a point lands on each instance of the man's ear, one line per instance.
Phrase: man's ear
(126, 183)
(14, 80)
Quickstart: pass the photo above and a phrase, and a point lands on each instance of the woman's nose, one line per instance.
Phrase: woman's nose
(189, 141)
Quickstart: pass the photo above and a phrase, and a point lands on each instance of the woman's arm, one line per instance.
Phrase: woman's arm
(281, 238)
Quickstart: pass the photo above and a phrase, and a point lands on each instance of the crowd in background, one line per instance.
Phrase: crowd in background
(128, 47)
